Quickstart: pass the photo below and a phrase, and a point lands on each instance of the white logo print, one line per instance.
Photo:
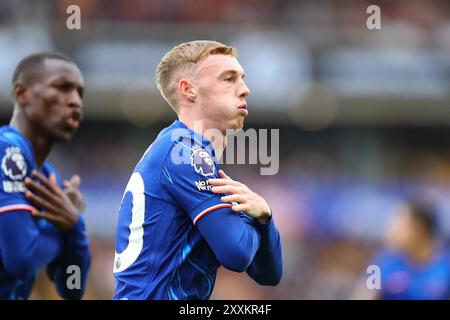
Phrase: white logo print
(202, 161)
(14, 165)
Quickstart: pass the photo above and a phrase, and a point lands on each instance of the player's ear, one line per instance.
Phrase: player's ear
(19, 94)
(187, 90)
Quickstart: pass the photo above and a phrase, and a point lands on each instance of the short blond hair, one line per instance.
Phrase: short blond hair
(184, 57)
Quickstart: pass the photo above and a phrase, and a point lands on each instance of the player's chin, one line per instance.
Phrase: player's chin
(64, 135)
(235, 125)
(240, 123)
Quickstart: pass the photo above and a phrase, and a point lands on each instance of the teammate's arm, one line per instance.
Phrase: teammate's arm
(24, 248)
(75, 258)
(62, 208)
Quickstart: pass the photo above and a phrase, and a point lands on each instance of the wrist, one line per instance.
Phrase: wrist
(265, 217)
(77, 224)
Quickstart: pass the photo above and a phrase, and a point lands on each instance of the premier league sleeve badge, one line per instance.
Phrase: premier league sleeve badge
(14, 165)
(202, 161)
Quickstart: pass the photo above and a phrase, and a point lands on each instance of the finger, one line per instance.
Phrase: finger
(222, 182)
(67, 184)
(45, 182)
(76, 181)
(226, 189)
(72, 184)
(53, 180)
(38, 189)
(233, 198)
(45, 215)
(239, 208)
(55, 220)
(40, 202)
(222, 174)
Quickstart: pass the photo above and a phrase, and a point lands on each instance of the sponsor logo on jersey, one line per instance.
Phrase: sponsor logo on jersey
(203, 185)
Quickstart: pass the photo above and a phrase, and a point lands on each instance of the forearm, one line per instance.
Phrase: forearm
(267, 265)
(233, 241)
(24, 248)
(70, 270)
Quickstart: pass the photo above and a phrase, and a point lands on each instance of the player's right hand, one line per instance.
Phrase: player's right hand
(242, 197)
(57, 206)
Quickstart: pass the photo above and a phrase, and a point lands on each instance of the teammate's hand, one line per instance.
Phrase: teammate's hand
(72, 189)
(242, 198)
(58, 206)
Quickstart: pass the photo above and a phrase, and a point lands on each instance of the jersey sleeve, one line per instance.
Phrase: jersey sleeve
(267, 265)
(185, 173)
(15, 166)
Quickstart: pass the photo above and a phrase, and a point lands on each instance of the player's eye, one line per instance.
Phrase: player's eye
(229, 79)
(65, 87)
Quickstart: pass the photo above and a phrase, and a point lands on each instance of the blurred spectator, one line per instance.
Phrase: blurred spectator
(414, 265)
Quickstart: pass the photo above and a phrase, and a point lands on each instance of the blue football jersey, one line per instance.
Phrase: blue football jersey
(160, 252)
(27, 243)
(403, 279)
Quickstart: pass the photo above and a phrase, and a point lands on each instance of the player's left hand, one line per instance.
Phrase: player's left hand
(57, 204)
(242, 198)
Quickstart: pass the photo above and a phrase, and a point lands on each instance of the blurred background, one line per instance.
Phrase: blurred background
(364, 118)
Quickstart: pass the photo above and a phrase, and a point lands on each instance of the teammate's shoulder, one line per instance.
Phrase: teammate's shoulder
(14, 147)
(48, 167)
(10, 136)
(16, 161)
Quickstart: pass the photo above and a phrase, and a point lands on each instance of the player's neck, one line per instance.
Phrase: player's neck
(41, 145)
(217, 138)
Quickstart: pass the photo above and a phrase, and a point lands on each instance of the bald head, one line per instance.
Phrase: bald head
(32, 66)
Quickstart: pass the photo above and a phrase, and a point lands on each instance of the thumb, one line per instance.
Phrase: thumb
(75, 181)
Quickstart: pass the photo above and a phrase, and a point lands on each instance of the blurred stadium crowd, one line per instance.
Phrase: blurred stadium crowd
(364, 118)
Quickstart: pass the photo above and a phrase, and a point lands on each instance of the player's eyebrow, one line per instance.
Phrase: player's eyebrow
(232, 73)
(63, 80)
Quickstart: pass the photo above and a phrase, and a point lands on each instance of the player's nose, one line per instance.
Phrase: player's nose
(244, 91)
(74, 100)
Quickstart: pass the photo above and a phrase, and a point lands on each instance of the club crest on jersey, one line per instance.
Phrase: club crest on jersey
(14, 165)
(202, 162)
